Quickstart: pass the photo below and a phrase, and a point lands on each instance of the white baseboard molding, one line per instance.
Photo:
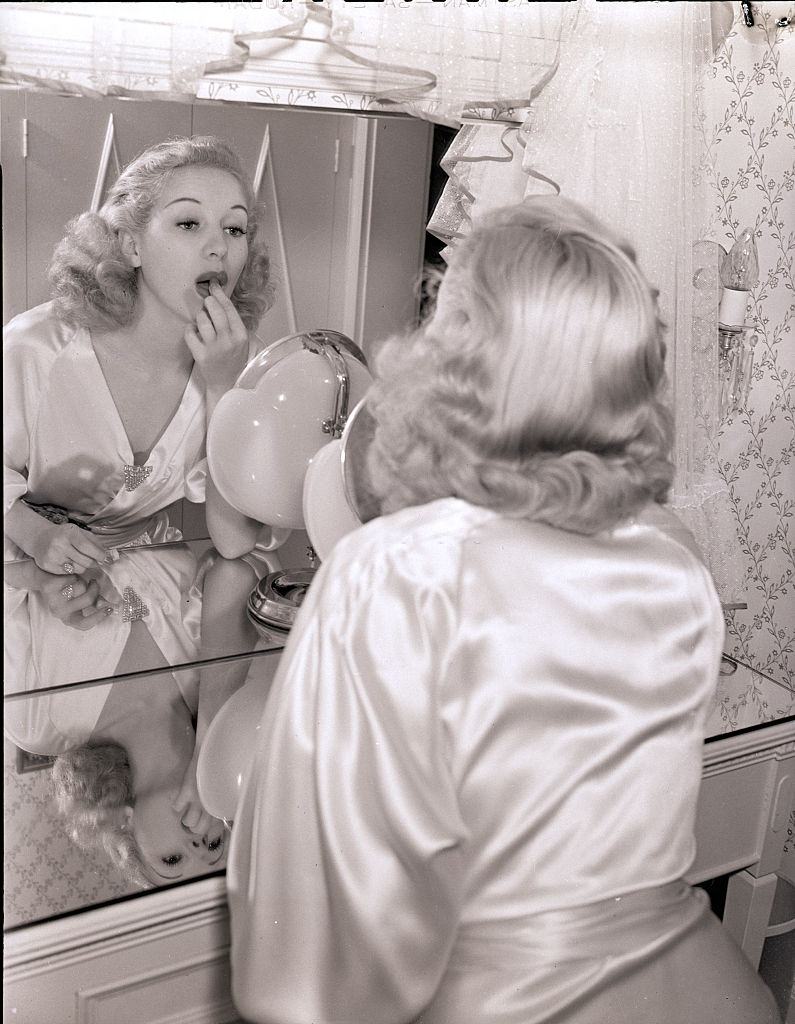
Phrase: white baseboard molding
(160, 959)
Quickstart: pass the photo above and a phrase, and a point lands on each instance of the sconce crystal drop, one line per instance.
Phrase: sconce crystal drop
(736, 364)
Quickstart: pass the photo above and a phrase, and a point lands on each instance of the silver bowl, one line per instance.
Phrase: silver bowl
(273, 604)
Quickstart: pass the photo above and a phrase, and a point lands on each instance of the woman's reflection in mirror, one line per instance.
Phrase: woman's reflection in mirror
(109, 386)
(118, 792)
(124, 771)
(225, 629)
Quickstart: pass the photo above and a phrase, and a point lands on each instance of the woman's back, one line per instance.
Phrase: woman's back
(476, 777)
(574, 698)
(486, 731)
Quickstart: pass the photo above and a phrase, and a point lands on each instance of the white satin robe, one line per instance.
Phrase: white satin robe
(42, 651)
(474, 789)
(65, 444)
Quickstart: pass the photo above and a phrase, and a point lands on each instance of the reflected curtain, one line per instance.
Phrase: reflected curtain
(619, 127)
(442, 62)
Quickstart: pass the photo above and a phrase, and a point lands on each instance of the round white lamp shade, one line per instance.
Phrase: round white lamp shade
(290, 401)
(229, 743)
(327, 514)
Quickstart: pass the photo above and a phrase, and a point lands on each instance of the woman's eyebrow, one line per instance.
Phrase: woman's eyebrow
(190, 199)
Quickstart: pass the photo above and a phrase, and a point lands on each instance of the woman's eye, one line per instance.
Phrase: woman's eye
(173, 860)
(187, 224)
(237, 232)
(215, 843)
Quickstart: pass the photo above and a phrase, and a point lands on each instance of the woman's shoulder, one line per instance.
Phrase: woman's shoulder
(37, 330)
(453, 521)
(422, 545)
(447, 521)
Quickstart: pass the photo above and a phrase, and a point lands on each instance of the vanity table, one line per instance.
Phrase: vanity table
(82, 945)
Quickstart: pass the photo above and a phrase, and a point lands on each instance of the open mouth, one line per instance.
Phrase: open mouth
(204, 281)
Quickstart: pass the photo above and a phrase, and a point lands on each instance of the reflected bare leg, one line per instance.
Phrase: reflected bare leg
(226, 629)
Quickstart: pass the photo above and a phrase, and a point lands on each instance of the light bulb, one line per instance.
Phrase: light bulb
(740, 266)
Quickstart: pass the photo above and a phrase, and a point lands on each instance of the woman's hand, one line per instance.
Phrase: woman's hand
(64, 549)
(218, 341)
(76, 601)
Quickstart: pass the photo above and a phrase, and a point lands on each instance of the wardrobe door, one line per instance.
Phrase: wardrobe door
(389, 209)
(75, 149)
(12, 149)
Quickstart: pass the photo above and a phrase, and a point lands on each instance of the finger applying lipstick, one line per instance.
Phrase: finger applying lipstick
(203, 282)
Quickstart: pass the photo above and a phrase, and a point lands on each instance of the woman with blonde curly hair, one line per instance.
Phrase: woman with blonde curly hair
(93, 792)
(474, 788)
(109, 386)
(118, 792)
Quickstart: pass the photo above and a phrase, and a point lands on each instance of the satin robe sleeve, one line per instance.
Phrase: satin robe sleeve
(196, 481)
(346, 873)
(25, 369)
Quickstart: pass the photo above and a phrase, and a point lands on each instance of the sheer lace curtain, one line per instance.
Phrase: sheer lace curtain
(618, 127)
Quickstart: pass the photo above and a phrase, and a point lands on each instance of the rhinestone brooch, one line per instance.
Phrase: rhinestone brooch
(134, 476)
(133, 609)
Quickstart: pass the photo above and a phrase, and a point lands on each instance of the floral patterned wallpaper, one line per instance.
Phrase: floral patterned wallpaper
(745, 698)
(752, 143)
(44, 872)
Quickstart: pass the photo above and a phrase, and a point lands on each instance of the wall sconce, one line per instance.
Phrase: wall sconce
(739, 273)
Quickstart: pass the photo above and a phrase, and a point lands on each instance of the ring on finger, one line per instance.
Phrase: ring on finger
(68, 592)
(68, 568)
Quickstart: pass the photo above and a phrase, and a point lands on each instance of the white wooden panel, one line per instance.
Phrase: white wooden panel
(161, 958)
(749, 901)
(741, 778)
(183, 991)
(731, 819)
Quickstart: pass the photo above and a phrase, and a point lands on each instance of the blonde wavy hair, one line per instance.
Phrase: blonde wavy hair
(535, 387)
(93, 790)
(94, 285)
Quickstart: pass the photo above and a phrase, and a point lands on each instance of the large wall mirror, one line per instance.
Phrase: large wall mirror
(346, 203)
